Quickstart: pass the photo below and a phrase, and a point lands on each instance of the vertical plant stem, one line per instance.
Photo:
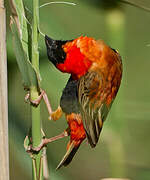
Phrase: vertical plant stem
(115, 22)
(4, 157)
(37, 160)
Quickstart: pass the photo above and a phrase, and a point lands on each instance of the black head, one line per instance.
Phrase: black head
(55, 51)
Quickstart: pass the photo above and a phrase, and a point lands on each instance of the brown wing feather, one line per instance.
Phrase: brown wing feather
(98, 88)
(93, 108)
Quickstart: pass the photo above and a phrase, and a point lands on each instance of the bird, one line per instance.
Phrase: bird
(95, 76)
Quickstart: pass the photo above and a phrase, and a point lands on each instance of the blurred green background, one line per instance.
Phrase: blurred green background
(124, 145)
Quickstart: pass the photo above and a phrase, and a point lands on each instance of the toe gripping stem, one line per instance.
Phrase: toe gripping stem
(37, 101)
(35, 150)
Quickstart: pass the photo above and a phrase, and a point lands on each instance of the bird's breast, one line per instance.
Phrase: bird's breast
(75, 63)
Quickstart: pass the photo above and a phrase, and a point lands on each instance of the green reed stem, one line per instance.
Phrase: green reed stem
(37, 160)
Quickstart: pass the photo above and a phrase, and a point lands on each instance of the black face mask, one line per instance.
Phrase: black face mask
(55, 51)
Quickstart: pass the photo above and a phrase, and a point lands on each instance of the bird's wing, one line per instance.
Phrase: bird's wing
(92, 97)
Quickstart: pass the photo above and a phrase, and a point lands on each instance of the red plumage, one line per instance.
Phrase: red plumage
(75, 63)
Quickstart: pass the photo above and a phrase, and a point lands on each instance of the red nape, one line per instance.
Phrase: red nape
(77, 132)
(75, 63)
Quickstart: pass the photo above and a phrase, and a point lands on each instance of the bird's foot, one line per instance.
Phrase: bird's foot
(34, 150)
(37, 101)
(54, 115)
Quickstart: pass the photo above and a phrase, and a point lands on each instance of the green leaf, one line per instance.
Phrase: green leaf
(29, 75)
(22, 23)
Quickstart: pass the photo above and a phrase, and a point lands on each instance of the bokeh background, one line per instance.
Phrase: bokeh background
(124, 145)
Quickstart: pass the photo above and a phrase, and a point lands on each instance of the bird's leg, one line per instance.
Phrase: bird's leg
(48, 105)
(52, 115)
(55, 115)
(45, 141)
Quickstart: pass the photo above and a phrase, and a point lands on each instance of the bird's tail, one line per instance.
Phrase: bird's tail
(71, 151)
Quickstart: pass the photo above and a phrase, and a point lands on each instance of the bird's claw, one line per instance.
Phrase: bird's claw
(28, 144)
(35, 150)
(37, 101)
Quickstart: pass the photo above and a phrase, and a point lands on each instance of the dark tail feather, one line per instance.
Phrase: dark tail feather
(68, 156)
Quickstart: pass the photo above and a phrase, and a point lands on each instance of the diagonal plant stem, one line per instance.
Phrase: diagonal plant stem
(4, 157)
(134, 4)
(57, 2)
